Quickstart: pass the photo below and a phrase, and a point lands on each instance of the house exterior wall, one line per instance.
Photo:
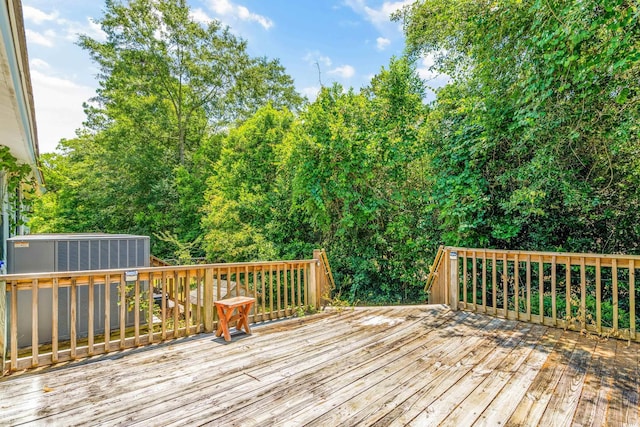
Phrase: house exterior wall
(17, 127)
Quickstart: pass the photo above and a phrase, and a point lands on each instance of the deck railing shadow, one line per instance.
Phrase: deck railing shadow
(611, 362)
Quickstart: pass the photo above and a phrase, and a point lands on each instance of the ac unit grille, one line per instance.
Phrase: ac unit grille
(76, 255)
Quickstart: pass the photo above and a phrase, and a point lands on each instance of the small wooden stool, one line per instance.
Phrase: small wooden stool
(225, 308)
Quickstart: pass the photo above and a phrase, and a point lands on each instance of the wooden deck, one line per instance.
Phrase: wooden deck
(420, 366)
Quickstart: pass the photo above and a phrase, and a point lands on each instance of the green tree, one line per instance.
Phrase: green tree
(198, 77)
(169, 88)
(406, 235)
(359, 174)
(248, 197)
(533, 139)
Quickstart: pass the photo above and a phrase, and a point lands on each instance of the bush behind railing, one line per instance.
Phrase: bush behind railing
(601, 296)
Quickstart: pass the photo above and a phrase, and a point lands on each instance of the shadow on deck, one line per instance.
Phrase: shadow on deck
(420, 365)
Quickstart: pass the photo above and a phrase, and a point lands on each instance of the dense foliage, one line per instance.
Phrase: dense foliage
(536, 137)
(18, 188)
(168, 85)
(533, 143)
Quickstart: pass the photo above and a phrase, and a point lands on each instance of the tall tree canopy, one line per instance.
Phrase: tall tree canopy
(248, 200)
(193, 75)
(536, 135)
(359, 179)
(169, 87)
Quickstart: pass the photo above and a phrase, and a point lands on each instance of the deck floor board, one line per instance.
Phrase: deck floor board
(418, 365)
(567, 393)
(624, 405)
(383, 398)
(507, 399)
(436, 405)
(469, 410)
(217, 368)
(597, 387)
(302, 369)
(302, 392)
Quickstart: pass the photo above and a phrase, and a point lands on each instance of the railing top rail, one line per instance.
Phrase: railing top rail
(119, 271)
(540, 253)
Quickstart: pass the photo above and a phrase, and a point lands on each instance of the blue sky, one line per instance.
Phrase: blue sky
(350, 39)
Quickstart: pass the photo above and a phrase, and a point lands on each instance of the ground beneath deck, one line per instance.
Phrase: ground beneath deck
(422, 365)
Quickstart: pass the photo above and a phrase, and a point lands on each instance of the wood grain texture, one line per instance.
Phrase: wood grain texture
(506, 401)
(624, 403)
(369, 366)
(566, 395)
(598, 386)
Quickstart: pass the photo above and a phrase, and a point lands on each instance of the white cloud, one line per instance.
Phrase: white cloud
(39, 64)
(390, 7)
(382, 43)
(316, 57)
(380, 16)
(311, 92)
(221, 7)
(433, 80)
(245, 15)
(345, 71)
(67, 30)
(58, 104)
(227, 8)
(72, 29)
(425, 70)
(200, 16)
(37, 16)
(35, 37)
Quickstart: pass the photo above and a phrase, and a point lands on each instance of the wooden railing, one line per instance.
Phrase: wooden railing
(56, 317)
(434, 271)
(593, 293)
(326, 284)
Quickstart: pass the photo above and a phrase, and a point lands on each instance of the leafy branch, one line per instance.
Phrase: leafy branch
(184, 250)
(20, 183)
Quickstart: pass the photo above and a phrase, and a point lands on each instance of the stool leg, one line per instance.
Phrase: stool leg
(227, 314)
(242, 319)
(221, 321)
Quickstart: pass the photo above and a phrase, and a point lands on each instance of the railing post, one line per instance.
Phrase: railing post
(321, 276)
(454, 283)
(438, 295)
(208, 300)
(3, 325)
(313, 280)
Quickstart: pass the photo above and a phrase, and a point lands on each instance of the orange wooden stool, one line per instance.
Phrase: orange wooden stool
(225, 308)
